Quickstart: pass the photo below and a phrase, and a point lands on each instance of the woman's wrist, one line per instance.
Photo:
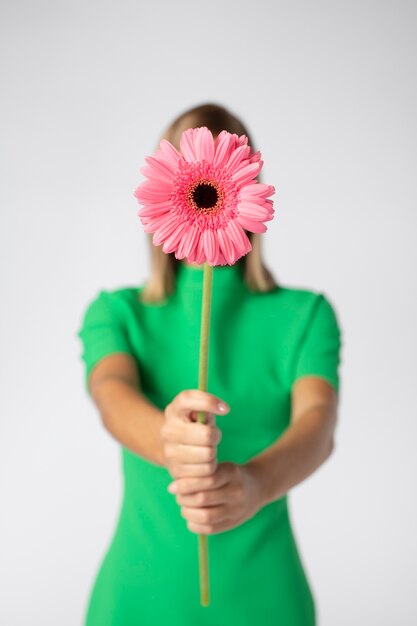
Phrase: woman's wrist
(303, 447)
(257, 469)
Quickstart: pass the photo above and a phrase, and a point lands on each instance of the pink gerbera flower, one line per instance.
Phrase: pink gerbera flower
(198, 202)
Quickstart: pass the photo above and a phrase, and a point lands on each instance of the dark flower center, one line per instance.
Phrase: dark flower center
(205, 195)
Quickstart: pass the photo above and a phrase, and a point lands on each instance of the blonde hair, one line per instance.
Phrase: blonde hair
(164, 266)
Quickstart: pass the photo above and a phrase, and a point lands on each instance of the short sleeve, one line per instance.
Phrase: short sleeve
(319, 350)
(102, 332)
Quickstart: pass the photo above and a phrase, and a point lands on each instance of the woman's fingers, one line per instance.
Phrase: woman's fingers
(182, 453)
(194, 484)
(218, 508)
(194, 400)
(209, 497)
(195, 434)
(212, 514)
(209, 418)
(190, 446)
(182, 470)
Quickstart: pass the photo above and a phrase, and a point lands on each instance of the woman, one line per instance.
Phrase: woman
(274, 383)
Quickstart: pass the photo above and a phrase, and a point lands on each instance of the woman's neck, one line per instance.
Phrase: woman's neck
(192, 264)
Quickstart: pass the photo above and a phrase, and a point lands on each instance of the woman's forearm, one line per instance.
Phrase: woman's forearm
(130, 418)
(136, 423)
(303, 447)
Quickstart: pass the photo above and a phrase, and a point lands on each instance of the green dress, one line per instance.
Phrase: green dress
(259, 344)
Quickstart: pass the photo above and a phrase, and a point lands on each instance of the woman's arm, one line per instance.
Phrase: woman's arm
(168, 438)
(304, 446)
(125, 412)
(235, 492)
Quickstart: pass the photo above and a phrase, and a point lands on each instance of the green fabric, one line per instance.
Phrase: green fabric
(259, 344)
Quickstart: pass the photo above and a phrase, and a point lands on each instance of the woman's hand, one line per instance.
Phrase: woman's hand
(224, 500)
(190, 447)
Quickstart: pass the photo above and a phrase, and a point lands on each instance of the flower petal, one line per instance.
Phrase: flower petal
(220, 259)
(161, 168)
(237, 156)
(210, 245)
(226, 246)
(269, 204)
(258, 189)
(204, 144)
(252, 226)
(241, 241)
(188, 242)
(247, 173)
(254, 157)
(156, 208)
(200, 255)
(153, 222)
(253, 211)
(152, 191)
(224, 146)
(166, 227)
(170, 153)
(187, 145)
(153, 174)
(171, 242)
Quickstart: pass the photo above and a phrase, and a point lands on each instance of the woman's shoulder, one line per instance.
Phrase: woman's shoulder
(299, 304)
(125, 292)
(106, 300)
(302, 294)
(295, 293)
(295, 296)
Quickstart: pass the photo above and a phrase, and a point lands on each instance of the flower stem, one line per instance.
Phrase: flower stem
(201, 417)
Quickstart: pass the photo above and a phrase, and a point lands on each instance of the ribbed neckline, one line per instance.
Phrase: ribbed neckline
(224, 276)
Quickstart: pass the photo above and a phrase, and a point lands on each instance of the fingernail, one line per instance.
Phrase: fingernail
(172, 487)
(222, 406)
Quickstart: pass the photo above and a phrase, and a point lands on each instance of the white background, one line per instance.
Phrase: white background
(328, 91)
